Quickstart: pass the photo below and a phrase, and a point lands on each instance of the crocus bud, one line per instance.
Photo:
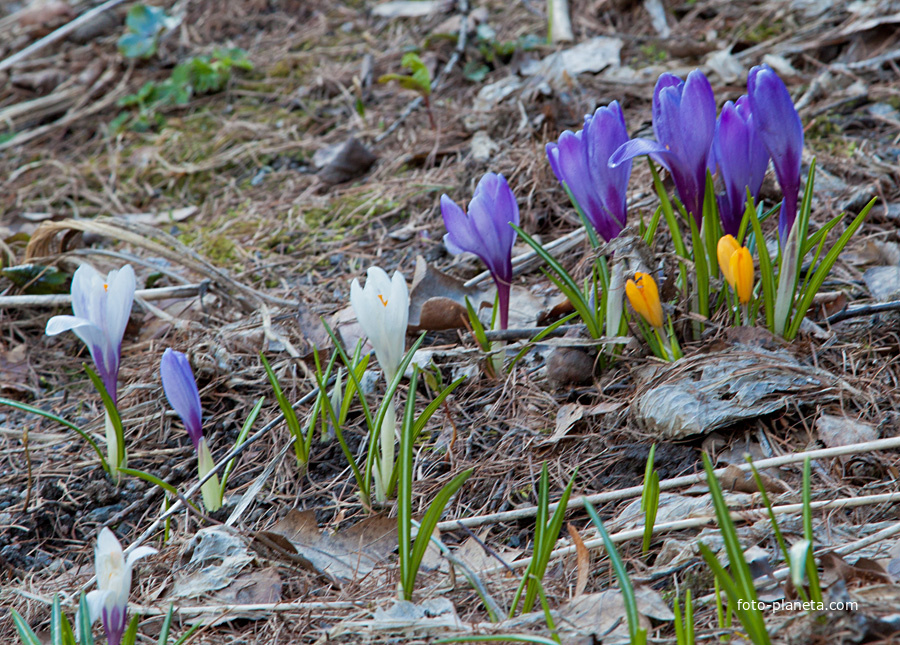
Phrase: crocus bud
(644, 298)
(778, 125)
(684, 122)
(741, 269)
(737, 267)
(724, 250)
(181, 391)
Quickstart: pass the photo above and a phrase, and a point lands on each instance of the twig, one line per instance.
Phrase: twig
(59, 34)
(61, 300)
(528, 332)
(413, 105)
(863, 310)
(677, 482)
(696, 522)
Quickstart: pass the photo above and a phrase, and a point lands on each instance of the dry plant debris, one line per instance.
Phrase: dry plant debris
(247, 211)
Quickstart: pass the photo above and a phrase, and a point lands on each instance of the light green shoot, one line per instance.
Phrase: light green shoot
(738, 585)
(650, 499)
(637, 634)
(546, 532)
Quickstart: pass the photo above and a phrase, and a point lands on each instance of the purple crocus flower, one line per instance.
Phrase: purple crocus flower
(781, 131)
(684, 122)
(485, 231)
(580, 162)
(102, 308)
(181, 391)
(741, 158)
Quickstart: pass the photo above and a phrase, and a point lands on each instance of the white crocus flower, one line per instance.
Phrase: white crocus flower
(102, 307)
(382, 309)
(109, 601)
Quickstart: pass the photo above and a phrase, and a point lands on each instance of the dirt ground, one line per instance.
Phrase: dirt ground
(227, 192)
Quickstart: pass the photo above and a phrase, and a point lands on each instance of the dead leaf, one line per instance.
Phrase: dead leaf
(592, 56)
(473, 554)
(883, 282)
(217, 555)
(863, 572)
(432, 616)
(344, 556)
(14, 371)
(583, 559)
(566, 417)
(343, 162)
(437, 301)
(842, 431)
(42, 81)
(742, 481)
(704, 392)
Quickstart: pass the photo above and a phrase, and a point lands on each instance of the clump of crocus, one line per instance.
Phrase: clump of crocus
(181, 391)
(737, 268)
(684, 122)
(739, 156)
(580, 163)
(101, 308)
(781, 131)
(643, 294)
(109, 602)
(485, 231)
(382, 309)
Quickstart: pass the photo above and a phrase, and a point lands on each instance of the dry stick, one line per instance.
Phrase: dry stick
(697, 522)
(61, 300)
(864, 310)
(528, 332)
(413, 105)
(59, 34)
(677, 482)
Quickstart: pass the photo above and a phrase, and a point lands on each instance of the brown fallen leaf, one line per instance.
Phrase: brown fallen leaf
(437, 301)
(343, 162)
(863, 572)
(350, 554)
(742, 481)
(583, 559)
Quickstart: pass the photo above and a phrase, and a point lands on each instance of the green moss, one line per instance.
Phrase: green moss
(824, 135)
(764, 31)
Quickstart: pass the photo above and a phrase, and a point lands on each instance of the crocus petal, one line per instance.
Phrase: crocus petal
(638, 148)
(181, 391)
(96, 599)
(741, 264)
(119, 299)
(460, 237)
(781, 131)
(724, 250)
(382, 309)
(138, 553)
(697, 121)
(102, 308)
